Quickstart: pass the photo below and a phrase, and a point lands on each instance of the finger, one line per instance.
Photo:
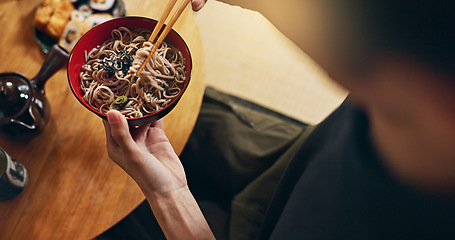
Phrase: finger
(159, 143)
(198, 4)
(107, 130)
(158, 124)
(139, 132)
(156, 131)
(119, 131)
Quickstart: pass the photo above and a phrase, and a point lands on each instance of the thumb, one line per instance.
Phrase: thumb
(198, 4)
(120, 131)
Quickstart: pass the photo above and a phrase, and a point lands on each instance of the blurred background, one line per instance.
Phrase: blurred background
(249, 57)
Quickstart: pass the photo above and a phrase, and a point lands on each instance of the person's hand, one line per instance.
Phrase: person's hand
(197, 4)
(145, 154)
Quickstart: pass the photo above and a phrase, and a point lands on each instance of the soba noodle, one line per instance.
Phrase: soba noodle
(108, 81)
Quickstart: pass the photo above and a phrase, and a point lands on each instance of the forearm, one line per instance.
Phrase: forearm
(179, 215)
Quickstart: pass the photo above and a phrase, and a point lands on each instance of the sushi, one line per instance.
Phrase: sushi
(73, 31)
(101, 5)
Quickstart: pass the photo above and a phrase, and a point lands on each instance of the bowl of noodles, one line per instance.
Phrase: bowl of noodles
(103, 64)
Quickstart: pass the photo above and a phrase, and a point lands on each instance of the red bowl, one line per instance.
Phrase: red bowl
(97, 35)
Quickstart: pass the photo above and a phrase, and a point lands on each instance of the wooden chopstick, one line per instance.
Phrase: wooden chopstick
(166, 30)
(162, 19)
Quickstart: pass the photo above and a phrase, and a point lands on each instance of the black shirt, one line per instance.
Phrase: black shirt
(337, 188)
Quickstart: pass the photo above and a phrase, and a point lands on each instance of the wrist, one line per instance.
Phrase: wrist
(179, 215)
(173, 196)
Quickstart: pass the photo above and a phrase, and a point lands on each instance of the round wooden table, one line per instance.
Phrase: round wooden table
(75, 191)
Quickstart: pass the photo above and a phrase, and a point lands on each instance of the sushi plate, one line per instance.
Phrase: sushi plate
(63, 22)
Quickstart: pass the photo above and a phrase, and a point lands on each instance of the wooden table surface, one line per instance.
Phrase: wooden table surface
(75, 191)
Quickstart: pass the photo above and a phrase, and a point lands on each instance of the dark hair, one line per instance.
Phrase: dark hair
(422, 29)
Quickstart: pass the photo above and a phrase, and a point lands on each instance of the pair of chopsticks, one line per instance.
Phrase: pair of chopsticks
(166, 30)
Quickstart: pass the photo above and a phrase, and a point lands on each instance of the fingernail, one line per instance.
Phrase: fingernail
(113, 117)
(199, 6)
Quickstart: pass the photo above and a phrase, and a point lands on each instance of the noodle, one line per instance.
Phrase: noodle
(108, 81)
